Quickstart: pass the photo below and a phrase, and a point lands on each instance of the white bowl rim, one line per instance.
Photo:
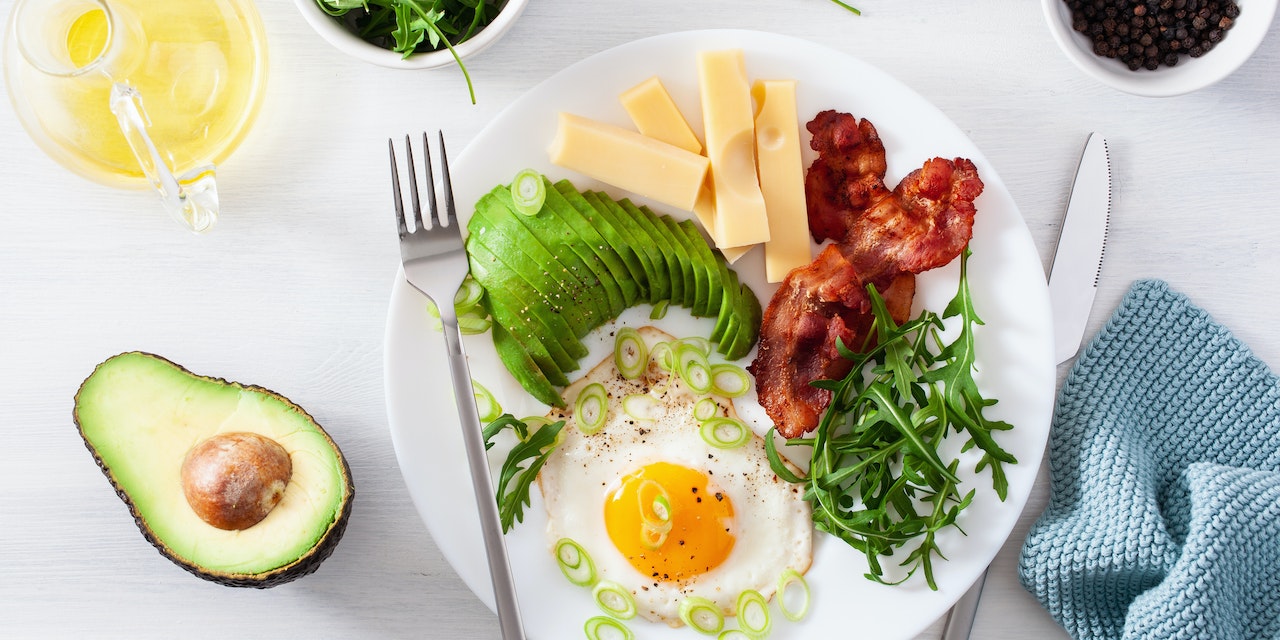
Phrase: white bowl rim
(1189, 75)
(351, 44)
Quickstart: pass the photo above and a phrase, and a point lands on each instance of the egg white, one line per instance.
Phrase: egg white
(773, 523)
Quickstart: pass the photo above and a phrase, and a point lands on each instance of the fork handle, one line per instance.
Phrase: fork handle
(504, 589)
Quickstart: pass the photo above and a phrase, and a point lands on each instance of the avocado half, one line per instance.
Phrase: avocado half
(140, 414)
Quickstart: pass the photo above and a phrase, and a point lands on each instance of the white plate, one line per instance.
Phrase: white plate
(1015, 346)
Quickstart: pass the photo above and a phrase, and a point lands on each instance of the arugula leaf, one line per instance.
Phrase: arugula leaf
(514, 480)
(415, 26)
(876, 479)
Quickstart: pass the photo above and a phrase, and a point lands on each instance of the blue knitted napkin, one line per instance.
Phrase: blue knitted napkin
(1164, 517)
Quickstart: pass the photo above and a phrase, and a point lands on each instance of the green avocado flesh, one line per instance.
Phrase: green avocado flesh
(552, 278)
(140, 415)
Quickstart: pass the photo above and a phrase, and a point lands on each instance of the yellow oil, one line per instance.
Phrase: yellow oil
(199, 65)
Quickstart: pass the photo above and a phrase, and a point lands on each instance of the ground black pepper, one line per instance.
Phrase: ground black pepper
(1144, 34)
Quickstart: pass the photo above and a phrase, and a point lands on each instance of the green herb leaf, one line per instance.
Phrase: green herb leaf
(876, 479)
(514, 480)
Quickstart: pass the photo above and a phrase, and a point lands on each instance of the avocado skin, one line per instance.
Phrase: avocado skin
(306, 564)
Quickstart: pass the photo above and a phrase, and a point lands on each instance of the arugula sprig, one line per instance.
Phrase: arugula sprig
(876, 478)
(411, 26)
(515, 480)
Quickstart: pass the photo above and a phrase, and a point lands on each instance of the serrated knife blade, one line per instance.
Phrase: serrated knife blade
(1077, 262)
(1073, 283)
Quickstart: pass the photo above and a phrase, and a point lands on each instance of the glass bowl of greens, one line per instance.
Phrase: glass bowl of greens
(411, 34)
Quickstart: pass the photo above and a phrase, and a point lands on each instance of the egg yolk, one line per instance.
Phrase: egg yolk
(670, 522)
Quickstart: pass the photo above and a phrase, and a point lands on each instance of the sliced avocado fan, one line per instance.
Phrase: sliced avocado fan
(552, 277)
(234, 483)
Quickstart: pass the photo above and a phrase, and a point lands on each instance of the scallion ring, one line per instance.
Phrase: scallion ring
(528, 192)
(655, 506)
(614, 600)
(698, 342)
(630, 353)
(659, 310)
(663, 355)
(591, 408)
(486, 405)
(729, 380)
(735, 634)
(468, 295)
(653, 538)
(533, 423)
(705, 409)
(692, 365)
(574, 562)
(640, 406)
(702, 615)
(791, 579)
(724, 433)
(472, 324)
(753, 614)
(606, 628)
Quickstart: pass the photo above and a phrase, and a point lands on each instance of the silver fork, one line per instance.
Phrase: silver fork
(435, 264)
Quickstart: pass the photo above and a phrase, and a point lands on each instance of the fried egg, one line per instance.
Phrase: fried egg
(662, 512)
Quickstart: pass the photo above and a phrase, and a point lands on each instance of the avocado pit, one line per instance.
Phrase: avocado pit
(233, 480)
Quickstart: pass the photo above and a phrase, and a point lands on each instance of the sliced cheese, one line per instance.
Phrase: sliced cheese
(629, 160)
(656, 115)
(740, 217)
(781, 177)
(705, 210)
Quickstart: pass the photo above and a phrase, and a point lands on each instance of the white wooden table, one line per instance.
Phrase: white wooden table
(290, 291)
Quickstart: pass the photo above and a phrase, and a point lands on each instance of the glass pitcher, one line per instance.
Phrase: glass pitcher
(131, 93)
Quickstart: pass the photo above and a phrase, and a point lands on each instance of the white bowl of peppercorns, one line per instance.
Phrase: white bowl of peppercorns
(1159, 47)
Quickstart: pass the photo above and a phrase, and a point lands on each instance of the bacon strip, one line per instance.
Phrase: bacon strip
(848, 175)
(925, 222)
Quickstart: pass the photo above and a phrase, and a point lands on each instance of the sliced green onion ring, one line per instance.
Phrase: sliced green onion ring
(469, 294)
(528, 192)
(663, 355)
(693, 367)
(753, 614)
(640, 406)
(655, 506)
(699, 343)
(794, 611)
(614, 600)
(630, 353)
(705, 409)
(486, 405)
(735, 634)
(653, 538)
(591, 408)
(574, 562)
(471, 325)
(702, 615)
(606, 628)
(659, 310)
(724, 433)
(729, 380)
(533, 423)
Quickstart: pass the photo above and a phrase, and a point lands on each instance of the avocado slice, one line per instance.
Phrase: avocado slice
(663, 243)
(551, 281)
(507, 310)
(590, 237)
(695, 275)
(653, 259)
(145, 419)
(706, 260)
(611, 237)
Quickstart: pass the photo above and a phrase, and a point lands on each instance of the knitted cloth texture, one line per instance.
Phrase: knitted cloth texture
(1164, 515)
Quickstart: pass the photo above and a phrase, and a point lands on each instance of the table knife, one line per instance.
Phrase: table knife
(1073, 282)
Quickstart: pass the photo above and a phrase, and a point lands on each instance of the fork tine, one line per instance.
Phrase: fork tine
(395, 188)
(413, 186)
(431, 185)
(450, 210)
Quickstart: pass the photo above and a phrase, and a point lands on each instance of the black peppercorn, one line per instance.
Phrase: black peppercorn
(1150, 33)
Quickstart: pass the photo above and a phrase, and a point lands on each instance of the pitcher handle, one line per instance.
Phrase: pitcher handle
(192, 198)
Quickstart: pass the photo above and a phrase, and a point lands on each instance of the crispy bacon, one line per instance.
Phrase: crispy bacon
(925, 222)
(848, 175)
(816, 305)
